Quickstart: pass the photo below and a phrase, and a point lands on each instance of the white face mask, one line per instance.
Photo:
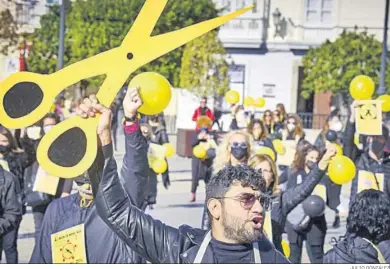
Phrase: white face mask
(337, 127)
(34, 132)
(291, 127)
(47, 128)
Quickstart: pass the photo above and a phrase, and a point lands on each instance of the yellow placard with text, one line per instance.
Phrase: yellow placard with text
(367, 180)
(68, 246)
(4, 164)
(268, 225)
(291, 148)
(369, 117)
(320, 190)
(45, 183)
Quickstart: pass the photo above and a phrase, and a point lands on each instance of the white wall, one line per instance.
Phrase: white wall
(271, 68)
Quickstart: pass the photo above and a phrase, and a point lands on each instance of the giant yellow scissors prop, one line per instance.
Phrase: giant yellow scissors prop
(70, 148)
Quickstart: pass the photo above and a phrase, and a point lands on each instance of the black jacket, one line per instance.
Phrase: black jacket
(286, 201)
(355, 250)
(153, 240)
(10, 206)
(102, 244)
(364, 162)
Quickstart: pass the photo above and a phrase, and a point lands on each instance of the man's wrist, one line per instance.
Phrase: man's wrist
(105, 137)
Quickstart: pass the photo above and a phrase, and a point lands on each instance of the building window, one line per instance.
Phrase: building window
(318, 11)
(22, 14)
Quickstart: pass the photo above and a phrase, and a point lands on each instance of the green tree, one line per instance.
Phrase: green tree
(204, 70)
(8, 32)
(43, 56)
(94, 26)
(333, 65)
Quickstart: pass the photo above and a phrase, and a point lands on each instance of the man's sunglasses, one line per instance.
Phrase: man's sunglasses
(243, 145)
(247, 200)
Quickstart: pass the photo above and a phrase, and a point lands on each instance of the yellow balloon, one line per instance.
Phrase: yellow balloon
(279, 147)
(260, 102)
(386, 103)
(199, 152)
(169, 150)
(286, 248)
(232, 97)
(339, 149)
(159, 166)
(362, 88)
(249, 101)
(266, 151)
(155, 92)
(341, 170)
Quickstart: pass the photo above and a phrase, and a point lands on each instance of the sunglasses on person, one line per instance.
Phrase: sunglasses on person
(292, 122)
(267, 115)
(247, 200)
(242, 145)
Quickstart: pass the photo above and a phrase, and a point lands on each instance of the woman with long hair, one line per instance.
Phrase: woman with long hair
(268, 121)
(301, 227)
(367, 239)
(285, 201)
(260, 135)
(282, 110)
(333, 130)
(14, 161)
(278, 122)
(235, 148)
(293, 129)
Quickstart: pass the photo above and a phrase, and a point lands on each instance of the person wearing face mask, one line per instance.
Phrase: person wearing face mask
(260, 135)
(39, 201)
(202, 169)
(240, 118)
(301, 227)
(233, 196)
(14, 161)
(374, 159)
(102, 244)
(285, 201)
(331, 133)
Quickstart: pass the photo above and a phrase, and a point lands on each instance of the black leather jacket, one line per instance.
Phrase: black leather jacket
(152, 239)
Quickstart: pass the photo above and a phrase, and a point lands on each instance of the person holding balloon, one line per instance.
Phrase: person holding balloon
(331, 133)
(374, 160)
(367, 238)
(203, 143)
(159, 136)
(203, 110)
(285, 201)
(308, 223)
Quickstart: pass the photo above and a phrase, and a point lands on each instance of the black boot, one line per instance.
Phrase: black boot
(336, 223)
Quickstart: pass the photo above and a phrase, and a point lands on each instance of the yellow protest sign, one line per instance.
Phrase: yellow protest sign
(320, 190)
(367, 180)
(45, 183)
(290, 147)
(68, 246)
(369, 117)
(4, 164)
(268, 225)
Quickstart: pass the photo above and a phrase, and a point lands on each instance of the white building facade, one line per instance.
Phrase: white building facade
(266, 51)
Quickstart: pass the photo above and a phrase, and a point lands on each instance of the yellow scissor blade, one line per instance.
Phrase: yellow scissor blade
(145, 21)
(161, 44)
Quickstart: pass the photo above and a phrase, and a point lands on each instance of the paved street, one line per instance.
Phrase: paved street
(172, 208)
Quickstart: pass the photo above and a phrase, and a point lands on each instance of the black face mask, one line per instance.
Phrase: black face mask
(310, 164)
(4, 149)
(377, 148)
(239, 153)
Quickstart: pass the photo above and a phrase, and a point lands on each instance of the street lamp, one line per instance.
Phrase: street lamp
(277, 22)
(60, 63)
(382, 85)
